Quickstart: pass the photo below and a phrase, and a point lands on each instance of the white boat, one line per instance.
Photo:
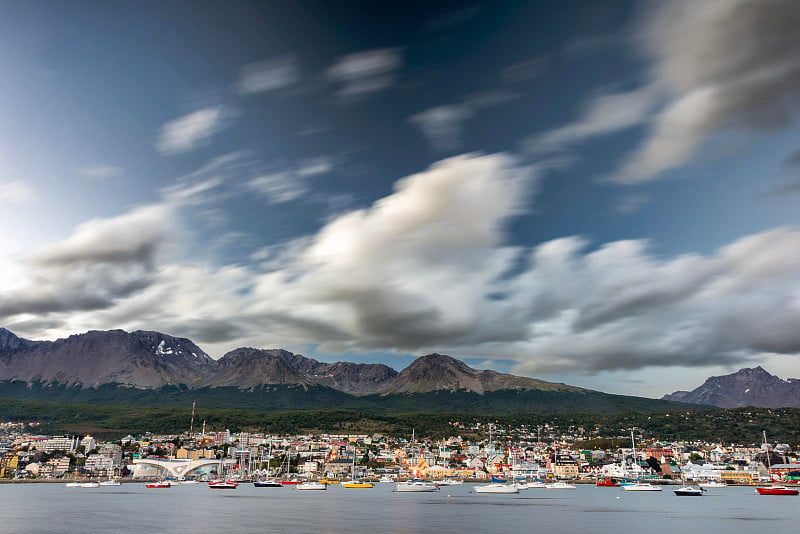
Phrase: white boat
(536, 484)
(386, 479)
(73, 485)
(311, 485)
(560, 485)
(497, 488)
(521, 485)
(188, 482)
(111, 483)
(713, 484)
(449, 482)
(415, 486)
(90, 485)
(641, 486)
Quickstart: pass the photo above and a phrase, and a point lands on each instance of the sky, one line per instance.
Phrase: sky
(602, 193)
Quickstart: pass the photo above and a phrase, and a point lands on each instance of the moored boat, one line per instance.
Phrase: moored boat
(223, 484)
(415, 486)
(688, 491)
(311, 485)
(712, 484)
(90, 485)
(159, 484)
(357, 484)
(777, 490)
(608, 483)
(267, 484)
(497, 488)
(561, 485)
(641, 486)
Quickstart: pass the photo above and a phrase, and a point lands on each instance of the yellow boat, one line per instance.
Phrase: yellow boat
(357, 484)
(329, 480)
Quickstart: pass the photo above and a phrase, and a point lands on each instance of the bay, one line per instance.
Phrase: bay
(132, 508)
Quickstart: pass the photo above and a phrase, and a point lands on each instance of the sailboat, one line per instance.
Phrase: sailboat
(355, 483)
(270, 482)
(638, 485)
(774, 490)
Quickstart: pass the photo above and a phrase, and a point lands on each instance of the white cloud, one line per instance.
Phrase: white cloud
(315, 166)
(715, 66)
(442, 125)
(190, 131)
(100, 172)
(17, 191)
(278, 187)
(366, 72)
(269, 75)
(605, 113)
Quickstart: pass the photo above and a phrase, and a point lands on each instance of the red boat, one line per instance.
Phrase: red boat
(289, 482)
(608, 482)
(777, 490)
(161, 484)
(223, 484)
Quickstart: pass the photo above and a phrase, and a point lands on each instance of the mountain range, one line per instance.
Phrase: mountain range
(151, 367)
(746, 387)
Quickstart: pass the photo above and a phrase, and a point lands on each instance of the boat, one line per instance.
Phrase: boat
(449, 482)
(72, 485)
(608, 483)
(158, 484)
(641, 486)
(497, 488)
(188, 482)
(271, 483)
(688, 491)
(386, 479)
(111, 482)
(223, 484)
(560, 485)
(415, 486)
(357, 484)
(774, 489)
(311, 485)
(712, 484)
(536, 484)
(90, 485)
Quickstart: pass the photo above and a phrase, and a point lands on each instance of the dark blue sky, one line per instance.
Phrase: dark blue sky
(583, 191)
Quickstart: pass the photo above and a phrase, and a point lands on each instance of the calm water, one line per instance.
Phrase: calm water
(131, 508)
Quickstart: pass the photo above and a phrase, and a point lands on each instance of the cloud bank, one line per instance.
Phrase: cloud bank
(427, 268)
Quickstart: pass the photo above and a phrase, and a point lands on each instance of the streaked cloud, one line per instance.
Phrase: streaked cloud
(100, 172)
(104, 260)
(603, 114)
(525, 70)
(269, 75)
(366, 72)
(15, 192)
(190, 131)
(278, 187)
(714, 67)
(442, 125)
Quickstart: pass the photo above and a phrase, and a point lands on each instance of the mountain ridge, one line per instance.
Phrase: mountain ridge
(147, 360)
(746, 387)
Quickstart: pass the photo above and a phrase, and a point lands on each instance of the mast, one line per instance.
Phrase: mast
(191, 423)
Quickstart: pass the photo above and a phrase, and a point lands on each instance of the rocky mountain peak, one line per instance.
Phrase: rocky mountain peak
(746, 387)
